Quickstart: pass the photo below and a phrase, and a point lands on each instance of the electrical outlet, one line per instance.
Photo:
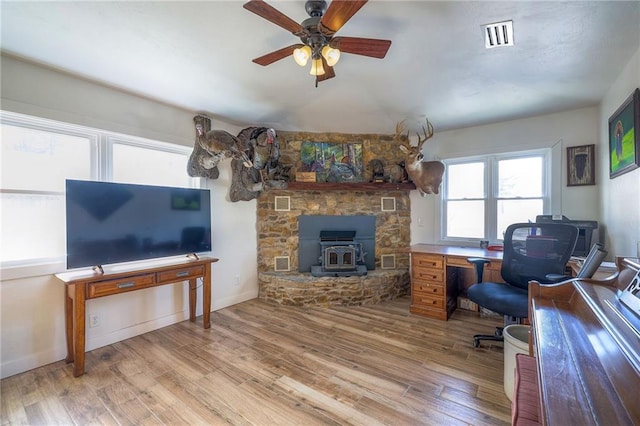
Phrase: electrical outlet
(94, 320)
(237, 280)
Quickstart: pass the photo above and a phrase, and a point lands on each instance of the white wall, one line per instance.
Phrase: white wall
(556, 131)
(620, 198)
(31, 299)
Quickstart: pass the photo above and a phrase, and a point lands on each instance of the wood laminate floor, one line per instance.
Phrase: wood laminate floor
(266, 364)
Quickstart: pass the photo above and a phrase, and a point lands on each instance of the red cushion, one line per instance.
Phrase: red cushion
(524, 407)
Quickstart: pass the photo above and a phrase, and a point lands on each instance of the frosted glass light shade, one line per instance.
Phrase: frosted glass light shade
(316, 67)
(331, 55)
(301, 55)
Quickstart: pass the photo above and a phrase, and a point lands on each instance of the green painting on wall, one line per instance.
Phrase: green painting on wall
(332, 162)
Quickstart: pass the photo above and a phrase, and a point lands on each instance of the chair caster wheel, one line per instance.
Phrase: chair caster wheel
(476, 343)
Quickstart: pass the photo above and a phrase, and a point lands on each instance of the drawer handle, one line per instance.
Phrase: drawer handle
(128, 284)
(433, 277)
(182, 273)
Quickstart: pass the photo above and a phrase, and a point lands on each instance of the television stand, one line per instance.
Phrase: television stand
(81, 286)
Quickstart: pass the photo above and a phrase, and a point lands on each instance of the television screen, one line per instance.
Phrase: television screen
(114, 222)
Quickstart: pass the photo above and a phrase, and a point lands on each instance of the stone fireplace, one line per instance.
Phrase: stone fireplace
(280, 238)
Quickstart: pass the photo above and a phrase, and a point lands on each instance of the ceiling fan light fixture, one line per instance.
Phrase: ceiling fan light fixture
(331, 55)
(316, 67)
(301, 55)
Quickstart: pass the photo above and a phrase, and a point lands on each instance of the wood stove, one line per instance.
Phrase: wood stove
(341, 255)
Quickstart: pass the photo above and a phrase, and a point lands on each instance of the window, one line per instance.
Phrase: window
(484, 195)
(38, 155)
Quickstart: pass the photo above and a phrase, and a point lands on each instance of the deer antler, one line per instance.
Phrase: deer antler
(428, 133)
(400, 128)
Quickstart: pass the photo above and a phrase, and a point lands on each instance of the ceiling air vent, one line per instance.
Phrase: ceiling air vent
(498, 34)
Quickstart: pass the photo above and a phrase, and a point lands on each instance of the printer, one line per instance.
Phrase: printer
(585, 231)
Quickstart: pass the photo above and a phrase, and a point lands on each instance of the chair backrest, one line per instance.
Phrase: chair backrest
(534, 250)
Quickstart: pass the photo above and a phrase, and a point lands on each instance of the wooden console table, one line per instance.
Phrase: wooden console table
(84, 285)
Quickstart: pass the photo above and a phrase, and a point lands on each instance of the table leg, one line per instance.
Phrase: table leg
(193, 287)
(206, 296)
(79, 335)
(68, 321)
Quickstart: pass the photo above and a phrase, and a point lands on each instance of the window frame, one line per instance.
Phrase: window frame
(491, 197)
(101, 166)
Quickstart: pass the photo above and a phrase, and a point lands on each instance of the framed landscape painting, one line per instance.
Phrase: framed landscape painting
(332, 162)
(624, 138)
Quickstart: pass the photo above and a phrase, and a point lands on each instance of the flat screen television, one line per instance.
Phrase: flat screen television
(113, 222)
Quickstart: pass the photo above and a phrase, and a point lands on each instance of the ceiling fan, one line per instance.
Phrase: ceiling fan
(317, 35)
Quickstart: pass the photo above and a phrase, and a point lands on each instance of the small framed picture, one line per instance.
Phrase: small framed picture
(624, 137)
(581, 165)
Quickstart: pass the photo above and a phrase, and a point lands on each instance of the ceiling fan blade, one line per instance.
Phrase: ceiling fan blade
(276, 55)
(337, 14)
(273, 15)
(328, 72)
(372, 47)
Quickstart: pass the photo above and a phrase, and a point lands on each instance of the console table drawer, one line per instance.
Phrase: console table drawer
(181, 274)
(428, 288)
(106, 288)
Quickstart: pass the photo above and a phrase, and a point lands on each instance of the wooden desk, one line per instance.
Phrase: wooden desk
(84, 285)
(440, 273)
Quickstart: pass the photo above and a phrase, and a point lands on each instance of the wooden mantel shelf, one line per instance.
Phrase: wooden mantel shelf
(360, 186)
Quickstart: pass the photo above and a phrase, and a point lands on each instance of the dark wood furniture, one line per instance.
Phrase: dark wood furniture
(84, 285)
(440, 273)
(587, 349)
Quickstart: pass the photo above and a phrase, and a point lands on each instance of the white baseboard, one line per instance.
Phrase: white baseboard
(233, 300)
(59, 352)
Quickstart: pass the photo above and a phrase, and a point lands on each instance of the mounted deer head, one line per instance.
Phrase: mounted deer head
(426, 175)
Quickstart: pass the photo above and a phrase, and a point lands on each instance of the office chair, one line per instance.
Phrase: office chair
(531, 252)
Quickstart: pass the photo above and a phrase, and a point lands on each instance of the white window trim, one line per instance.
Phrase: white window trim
(551, 198)
(101, 156)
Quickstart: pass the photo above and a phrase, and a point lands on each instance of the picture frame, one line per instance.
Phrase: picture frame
(332, 162)
(581, 165)
(624, 137)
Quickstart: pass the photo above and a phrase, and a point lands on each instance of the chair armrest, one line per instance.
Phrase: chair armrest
(479, 264)
(556, 278)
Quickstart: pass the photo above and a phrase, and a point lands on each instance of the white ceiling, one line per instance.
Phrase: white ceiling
(197, 55)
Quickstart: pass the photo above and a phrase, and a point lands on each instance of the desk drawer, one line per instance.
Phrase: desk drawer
(427, 288)
(426, 261)
(461, 262)
(428, 274)
(432, 301)
(99, 289)
(181, 274)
